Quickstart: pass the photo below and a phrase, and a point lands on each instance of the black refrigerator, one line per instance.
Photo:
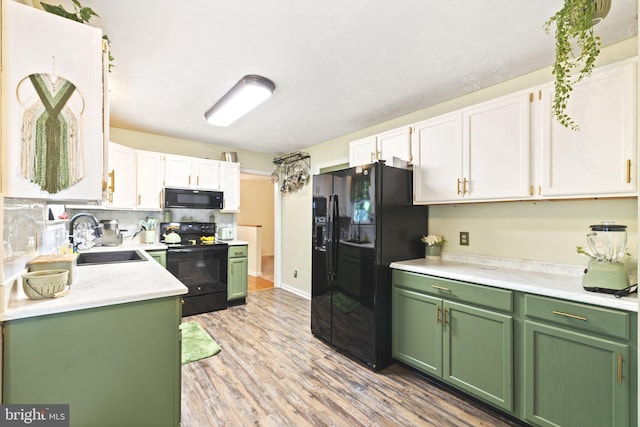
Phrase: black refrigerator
(363, 219)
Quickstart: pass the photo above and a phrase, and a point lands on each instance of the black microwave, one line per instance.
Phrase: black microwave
(192, 199)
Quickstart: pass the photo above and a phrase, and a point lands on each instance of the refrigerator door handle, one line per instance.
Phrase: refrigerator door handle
(329, 239)
(335, 239)
(333, 235)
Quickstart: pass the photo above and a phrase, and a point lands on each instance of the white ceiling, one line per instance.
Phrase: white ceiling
(339, 66)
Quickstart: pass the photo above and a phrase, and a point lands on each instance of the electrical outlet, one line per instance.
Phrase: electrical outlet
(295, 273)
(464, 238)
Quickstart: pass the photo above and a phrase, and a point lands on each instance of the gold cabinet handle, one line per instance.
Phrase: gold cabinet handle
(619, 376)
(139, 199)
(440, 288)
(112, 176)
(464, 186)
(458, 191)
(531, 190)
(539, 190)
(437, 314)
(378, 154)
(189, 180)
(569, 315)
(445, 316)
(628, 171)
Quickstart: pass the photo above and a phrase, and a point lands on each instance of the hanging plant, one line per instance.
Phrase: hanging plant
(80, 14)
(577, 48)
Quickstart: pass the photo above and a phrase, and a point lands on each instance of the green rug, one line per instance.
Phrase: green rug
(196, 343)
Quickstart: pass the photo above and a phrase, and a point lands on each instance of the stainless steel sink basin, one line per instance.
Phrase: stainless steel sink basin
(110, 257)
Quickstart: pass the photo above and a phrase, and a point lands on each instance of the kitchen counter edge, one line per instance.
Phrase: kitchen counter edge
(551, 284)
(96, 286)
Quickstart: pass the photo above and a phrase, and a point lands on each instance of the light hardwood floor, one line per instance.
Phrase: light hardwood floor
(266, 280)
(273, 372)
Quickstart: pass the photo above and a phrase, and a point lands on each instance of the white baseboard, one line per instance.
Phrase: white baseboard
(295, 291)
(255, 273)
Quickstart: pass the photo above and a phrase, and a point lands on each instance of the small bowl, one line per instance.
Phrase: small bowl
(44, 283)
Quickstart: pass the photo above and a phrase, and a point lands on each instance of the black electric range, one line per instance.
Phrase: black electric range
(200, 263)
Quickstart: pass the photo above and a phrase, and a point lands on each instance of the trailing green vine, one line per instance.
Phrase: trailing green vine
(80, 14)
(574, 32)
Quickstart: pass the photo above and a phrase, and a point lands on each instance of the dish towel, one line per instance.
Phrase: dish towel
(197, 344)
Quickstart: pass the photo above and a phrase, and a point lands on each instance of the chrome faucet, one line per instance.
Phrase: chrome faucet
(96, 226)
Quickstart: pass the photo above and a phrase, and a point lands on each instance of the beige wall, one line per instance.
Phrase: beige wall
(543, 231)
(256, 208)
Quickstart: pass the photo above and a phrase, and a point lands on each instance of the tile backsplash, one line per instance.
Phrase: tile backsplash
(27, 232)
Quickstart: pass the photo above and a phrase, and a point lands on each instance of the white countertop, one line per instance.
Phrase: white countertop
(97, 286)
(551, 280)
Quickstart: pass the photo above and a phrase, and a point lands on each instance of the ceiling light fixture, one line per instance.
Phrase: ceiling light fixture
(247, 94)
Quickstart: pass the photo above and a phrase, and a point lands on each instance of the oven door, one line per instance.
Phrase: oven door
(203, 270)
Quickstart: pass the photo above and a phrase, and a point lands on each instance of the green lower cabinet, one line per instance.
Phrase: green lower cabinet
(115, 366)
(160, 256)
(469, 347)
(417, 330)
(573, 379)
(544, 360)
(478, 352)
(238, 274)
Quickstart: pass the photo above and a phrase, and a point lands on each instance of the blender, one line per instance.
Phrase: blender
(605, 273)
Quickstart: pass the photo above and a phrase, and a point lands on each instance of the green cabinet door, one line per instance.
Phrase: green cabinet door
(115, 366)
(160, 256)
(478, 352)
(574, 379)
(417, 330)
(238, 277)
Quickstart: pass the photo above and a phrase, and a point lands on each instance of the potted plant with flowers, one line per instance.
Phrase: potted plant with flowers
(433, 246)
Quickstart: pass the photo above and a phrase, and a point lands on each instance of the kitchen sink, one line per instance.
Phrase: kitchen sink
(110, 257)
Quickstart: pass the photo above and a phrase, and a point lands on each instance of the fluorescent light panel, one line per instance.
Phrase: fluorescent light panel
(246, 95)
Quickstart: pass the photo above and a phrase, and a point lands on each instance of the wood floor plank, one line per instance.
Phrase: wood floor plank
(273, 372)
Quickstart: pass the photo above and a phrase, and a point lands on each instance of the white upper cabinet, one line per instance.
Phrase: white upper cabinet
(383, 146)
(178, 171)
(512, 148)
(437, 169)
(208, 174)
(230, 185)
(479, 153)
(363, 151)
(121, 176)
(54, 64)
(191, 172)
(149, 176)
(496, 149)
(134, 179)
(395, 143)
(599, 159)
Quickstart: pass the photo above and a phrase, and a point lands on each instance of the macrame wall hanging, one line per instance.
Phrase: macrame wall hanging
(51, 154)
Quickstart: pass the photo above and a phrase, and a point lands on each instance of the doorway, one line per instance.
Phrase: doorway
(256, 222)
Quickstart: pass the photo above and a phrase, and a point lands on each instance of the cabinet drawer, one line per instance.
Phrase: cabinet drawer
(583, 317)
(238, 251)
(499, 299)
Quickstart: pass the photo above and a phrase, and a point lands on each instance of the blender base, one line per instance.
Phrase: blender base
(606, 277)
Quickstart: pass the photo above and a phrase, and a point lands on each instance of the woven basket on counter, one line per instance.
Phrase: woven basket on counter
(44, 283)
